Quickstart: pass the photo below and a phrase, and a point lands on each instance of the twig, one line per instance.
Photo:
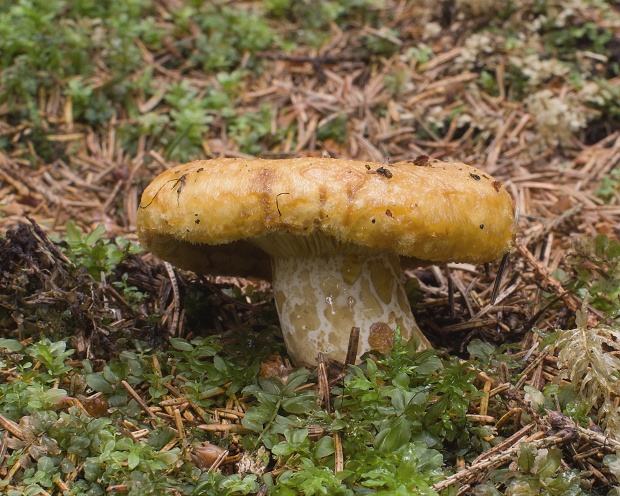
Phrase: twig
(324, 390)
(42, 236)
(12, 427)
(238, 428)
(504, 444)
(529, 368)
(553, 284)
(354, 339)
(178, 420)
(512, 413)
(218, 461)
(501, 297)
(176, 296)
(339, 459)
(139, 400)
(475, 470)
(451, 294)
(229, 299)
(472, 324)
(560, 421)
(554, 224)
(498, 278)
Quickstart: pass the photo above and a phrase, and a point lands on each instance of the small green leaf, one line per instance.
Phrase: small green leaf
(296, 379)
(324, 447)
(67, 466)
(53, 396)
(99, 384)
(92, 469)
(300, 404)
(393, 437)
(256, 417)
(11, 345)
(74, 233)
(95, 235)
(526, 458)
(133, 460)
(45, 464)
(430, 365)
(535, 397)
(613, 462)
(548, 462)
(481, 350)
(181, 344)
(401, 398)
(296, 436)
(169, 458)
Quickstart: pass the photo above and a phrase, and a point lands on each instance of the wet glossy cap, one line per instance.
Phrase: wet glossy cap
(210, 215)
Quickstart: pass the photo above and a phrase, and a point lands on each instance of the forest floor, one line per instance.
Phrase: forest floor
(529, 93)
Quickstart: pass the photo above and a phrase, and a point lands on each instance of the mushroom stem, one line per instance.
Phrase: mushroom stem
(320, 298)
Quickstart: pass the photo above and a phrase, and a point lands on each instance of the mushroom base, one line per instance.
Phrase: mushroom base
(319, 299)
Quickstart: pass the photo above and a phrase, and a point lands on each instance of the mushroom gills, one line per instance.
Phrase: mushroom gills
(320, 298)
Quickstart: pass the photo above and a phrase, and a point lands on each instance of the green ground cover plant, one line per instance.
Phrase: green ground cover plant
(401, 420)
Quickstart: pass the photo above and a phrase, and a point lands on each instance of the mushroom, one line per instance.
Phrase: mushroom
(329, 233)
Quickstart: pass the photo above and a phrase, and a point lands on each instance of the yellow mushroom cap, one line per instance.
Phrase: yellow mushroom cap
(200, 215)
